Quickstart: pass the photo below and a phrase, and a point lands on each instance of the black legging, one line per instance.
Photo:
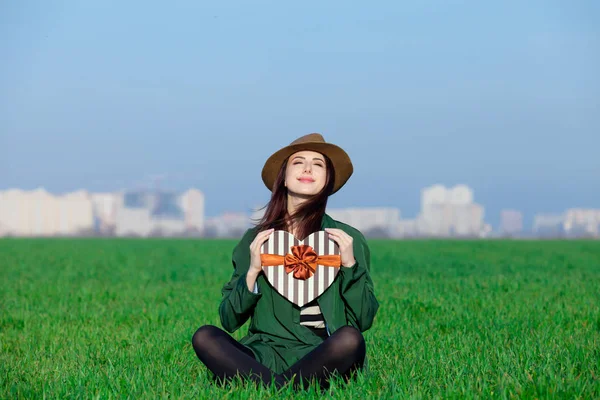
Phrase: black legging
(343, 352)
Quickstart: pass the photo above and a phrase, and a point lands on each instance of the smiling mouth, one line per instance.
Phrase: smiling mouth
(306, 180)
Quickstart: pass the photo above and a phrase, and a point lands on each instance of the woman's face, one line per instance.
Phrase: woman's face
(306, 173)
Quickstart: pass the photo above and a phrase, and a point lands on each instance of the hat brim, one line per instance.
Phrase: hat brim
(342, 165)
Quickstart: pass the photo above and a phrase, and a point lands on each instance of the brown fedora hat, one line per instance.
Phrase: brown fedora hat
(314, 141)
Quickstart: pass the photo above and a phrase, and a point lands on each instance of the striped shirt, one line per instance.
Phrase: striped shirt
(311, 316)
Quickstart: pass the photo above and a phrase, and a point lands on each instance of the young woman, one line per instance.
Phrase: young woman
(284, 342)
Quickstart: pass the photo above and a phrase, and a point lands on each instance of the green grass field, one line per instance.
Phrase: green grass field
(113, 318)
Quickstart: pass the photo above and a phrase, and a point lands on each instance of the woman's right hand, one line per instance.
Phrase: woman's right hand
(255, 262)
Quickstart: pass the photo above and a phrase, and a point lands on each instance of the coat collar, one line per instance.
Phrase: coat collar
(327, 222)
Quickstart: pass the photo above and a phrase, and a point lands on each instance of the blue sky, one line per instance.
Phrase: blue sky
(502, 96)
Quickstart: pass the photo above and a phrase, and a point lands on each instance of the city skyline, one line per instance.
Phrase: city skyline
(444, 212)
(411, 201)
(97, 99)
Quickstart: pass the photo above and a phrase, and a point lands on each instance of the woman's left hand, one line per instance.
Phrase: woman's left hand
(344, 241)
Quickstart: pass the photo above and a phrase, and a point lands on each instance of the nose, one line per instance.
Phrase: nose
(307, 167)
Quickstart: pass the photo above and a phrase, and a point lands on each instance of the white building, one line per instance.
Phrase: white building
(435, 219)
(433, 195)
(468, 220)
(408, 228)
(460, 195)
(230, 225)
(159, 213)
(450, 212)
(511, 222)
(548, 225)
(192, 202)
(39, 213)
(104, 211)
(580, 222)
(376, 221)
(371, 221)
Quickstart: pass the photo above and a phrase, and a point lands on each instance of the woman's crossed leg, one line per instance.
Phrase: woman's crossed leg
(341, 353)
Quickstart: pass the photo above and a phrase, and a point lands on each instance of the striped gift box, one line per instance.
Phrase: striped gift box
(298, 291)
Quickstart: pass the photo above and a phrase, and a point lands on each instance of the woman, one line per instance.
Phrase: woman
(285, 343)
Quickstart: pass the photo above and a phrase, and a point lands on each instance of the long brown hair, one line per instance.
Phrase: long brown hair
(308, 216)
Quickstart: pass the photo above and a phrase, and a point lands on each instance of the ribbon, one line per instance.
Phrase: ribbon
(302, 261)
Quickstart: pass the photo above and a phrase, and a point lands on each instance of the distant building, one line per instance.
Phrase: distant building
(372, 222)
(548, 225)
(39, 213)
(159, 213)
(192, 202)
(579, 222)
(433, 195)
(468, 221)
(450, 212)
(511, 222)
(408, 228)
(435, 219)
(228, 225)
(142, 213)
(104, 205)
(438, 195)
(460, 195)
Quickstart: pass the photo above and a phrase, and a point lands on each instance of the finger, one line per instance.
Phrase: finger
(264, 233)
(341, 241)
(335, 235)
(343, 234)
(344, 244)
(262, 237)
(268, 232)
(337, 232)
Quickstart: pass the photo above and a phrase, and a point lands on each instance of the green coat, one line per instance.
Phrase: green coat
(275, 335)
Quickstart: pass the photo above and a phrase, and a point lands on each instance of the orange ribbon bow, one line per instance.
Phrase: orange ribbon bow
(302, 261)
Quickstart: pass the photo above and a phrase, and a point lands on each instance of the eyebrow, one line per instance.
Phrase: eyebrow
(304, 158)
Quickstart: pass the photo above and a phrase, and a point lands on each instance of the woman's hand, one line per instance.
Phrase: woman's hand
(255, 263)
(345, 242)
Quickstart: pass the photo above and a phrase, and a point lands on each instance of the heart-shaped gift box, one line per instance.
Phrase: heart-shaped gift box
(300, 270)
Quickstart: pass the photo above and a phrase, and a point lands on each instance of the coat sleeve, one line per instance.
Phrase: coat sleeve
(237, 303)
(357, 287)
